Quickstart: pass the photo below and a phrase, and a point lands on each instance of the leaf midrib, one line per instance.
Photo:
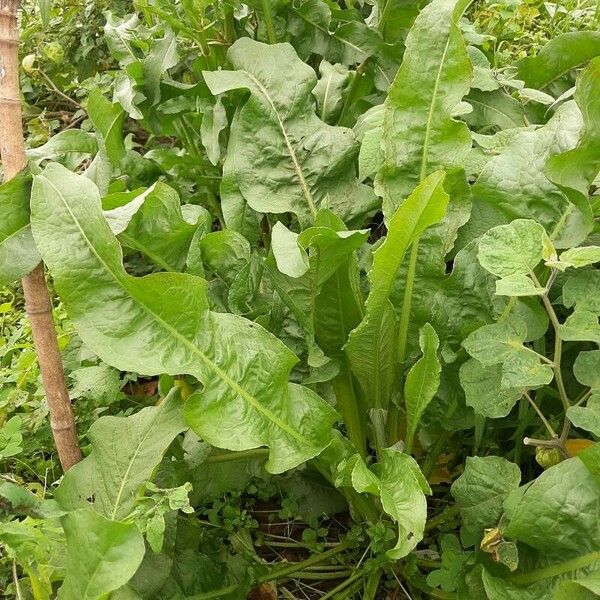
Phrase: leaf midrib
(194, 349)
(305, 191)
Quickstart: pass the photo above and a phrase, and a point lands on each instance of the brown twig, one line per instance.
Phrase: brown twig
(37, 299)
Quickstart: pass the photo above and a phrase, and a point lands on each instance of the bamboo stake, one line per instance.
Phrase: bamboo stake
(37, 299)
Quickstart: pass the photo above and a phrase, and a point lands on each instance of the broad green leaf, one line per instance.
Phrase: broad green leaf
(495, 108)
(329, 90)
(586, 368)
(512, 249)
(513, 185)
(422, 381)
(484, 391)
(310, 25)
(119, 35)
(401, 487)
(214, 120)
(18, 253)
(559, 56)
(125, 452)
(107, 119)
(419, 133)
(153, 224)
(291, 259)
(102, 555)
(71, 146)
(587, 417)
(162, 56)
(585, 587)
(582, 291)
(300, 278)
(557, 514)
(283, 156)
(481, 490)
(161, 324)
(504, 337)
(577, 257)
(518, 285)
(99, 383)
(575, 170)
(371, 347)
(17, 500)
(502, 342)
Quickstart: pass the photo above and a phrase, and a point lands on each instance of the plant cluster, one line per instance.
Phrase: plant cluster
(329, 306)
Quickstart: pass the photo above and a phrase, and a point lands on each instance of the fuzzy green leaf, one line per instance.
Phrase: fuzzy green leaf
(587, 417)
(512, 249)
(481, 490)
(484, 391)
(107, 119)
(559, 56)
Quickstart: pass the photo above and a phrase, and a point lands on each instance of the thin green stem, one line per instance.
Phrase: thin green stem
(311, 575)
(433, 454)
(541, 415)
(353, 92)
(302, 565)
(19, 596)
(349, 404)
(448, 513)
(216, 594)
(407, 302)
(241, 455)
(556, 570)
(266, 6)
(343, 585)
(378, 421)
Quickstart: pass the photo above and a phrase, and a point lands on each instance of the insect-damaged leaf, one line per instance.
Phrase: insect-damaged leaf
(286, 158)
(161, 324)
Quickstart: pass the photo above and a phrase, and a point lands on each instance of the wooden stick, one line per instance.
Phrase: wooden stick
(37, 299)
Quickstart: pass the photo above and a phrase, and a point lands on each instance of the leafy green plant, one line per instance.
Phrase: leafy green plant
(355, 259)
